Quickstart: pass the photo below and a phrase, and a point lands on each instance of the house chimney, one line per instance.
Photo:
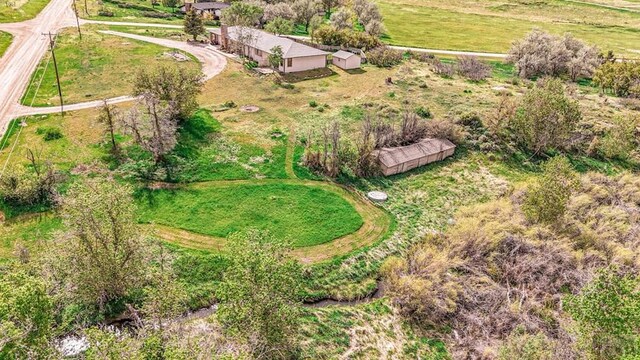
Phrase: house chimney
(187, 6)
(224, 36)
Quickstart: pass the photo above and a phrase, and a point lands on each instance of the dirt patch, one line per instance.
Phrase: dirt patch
(179, 57)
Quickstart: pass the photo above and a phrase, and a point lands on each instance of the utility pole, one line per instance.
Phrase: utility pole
(52, 44)
(86, 8)
(75, 11)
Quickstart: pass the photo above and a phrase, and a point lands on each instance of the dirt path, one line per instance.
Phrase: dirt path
(212, 64)
(376, 223)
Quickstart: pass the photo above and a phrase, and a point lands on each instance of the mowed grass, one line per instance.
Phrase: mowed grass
(418, 24)
(304, 215)
(98, 66)
(20, 10)
(5, 41)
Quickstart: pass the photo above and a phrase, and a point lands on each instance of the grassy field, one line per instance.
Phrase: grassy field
(87, 67)
(302, 214)
(137, 11)
(492, 26)
(5, 41)
(20, 10)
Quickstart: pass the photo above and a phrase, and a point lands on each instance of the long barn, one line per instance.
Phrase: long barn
(404, 158)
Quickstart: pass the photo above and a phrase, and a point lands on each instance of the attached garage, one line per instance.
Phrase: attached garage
(404, 158)
(346, 60)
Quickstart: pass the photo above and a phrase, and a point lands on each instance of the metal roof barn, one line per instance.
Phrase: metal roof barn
(404, 158)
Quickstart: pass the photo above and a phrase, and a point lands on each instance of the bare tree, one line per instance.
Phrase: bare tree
(110, 116)
(375, 27)
(305, 10)
(153, 128)
(279, 10)
(342, 19)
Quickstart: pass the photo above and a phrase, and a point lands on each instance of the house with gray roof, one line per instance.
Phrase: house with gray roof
(258, 45)
(213, 8)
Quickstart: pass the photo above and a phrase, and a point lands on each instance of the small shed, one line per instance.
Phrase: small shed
(404, 158)
(346, 60)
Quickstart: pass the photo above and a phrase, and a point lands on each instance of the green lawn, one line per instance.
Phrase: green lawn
(26, 231)
(305, 215)
(5, 41)
(96, 67)
(134, 11)
(20, 10)
(420, 25)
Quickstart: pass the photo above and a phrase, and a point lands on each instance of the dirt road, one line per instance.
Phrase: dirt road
(22, 57)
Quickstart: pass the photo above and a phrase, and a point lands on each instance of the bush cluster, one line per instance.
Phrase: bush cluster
(384, 56)
(328, 35)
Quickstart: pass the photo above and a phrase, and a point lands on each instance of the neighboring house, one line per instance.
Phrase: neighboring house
(212, 9)
(346, 60)
(404, 158)
(257, 45)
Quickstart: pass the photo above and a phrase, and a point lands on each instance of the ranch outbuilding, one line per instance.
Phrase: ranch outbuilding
(346, 60)
(400, 159)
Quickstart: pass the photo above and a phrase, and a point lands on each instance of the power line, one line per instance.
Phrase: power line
(33, 99)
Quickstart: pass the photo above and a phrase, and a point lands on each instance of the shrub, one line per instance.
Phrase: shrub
(445, 129)
(423, 112)
(428, 295)
(621, 78)
(384, 56)
(608, 315)
(50, 133)
(620, 140)
(328, 35)
(420, 56)
(313, 103)
(546, 200)
(442, 69)
(541, 53)
(546, 117)
(106, 13)
(473, 69)
(522, 346)
(250, 64)
(156, 15)
(20, 187)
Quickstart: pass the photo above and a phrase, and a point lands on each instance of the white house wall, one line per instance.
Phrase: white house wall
(305, 63)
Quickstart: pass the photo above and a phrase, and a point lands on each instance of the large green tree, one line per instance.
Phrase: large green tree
(172, 86)
(259, 295)
(103, 254)
(193, 24)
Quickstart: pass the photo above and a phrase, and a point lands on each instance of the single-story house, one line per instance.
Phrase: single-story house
(346, 60)
(258, 45)
(404, 158)
(214, 9)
